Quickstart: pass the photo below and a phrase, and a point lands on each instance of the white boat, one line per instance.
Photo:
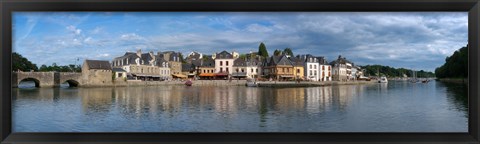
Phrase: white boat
(252, 84)
(383, 80)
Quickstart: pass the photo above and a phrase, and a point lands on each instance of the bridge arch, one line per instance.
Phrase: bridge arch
(36, 81)
(72, 83)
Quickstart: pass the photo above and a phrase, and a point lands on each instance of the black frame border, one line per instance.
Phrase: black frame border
(9, 6)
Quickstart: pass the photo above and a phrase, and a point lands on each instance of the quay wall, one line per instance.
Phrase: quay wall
(311, 84)
(233, 83)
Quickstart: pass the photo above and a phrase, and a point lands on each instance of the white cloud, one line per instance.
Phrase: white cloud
(258, 28)
(74, 29)
(131, 36)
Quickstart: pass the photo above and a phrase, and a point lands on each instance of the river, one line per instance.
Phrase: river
(398, 106)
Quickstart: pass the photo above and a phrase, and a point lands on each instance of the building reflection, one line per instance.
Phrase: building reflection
(96, 100)
(318, 99)
(226, 102)
(289, 99)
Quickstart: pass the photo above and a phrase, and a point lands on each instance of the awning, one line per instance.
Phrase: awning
(207, 75)
(180, 75)
(287, 76)
(191, 74)
(221, 74)
(239, 74)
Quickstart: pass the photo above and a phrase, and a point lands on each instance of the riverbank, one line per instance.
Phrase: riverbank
(454, 80)
(311, 84)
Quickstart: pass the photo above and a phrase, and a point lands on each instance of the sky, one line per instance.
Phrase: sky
(414, 40)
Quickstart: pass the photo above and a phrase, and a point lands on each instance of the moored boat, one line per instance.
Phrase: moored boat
(383, 80)
(251, 83)
(188, 83)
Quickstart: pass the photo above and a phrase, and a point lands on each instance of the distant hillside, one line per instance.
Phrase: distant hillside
(373, 70)
(456, 66)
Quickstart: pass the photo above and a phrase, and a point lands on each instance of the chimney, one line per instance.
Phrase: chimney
(139, 52)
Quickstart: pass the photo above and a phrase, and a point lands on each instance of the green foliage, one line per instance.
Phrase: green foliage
(55, 67)
(181, 58)
(456, 66)
(277, 52)
(21, 63)
(262, 50)
(379, 70)
(242, 56)
(288, 51)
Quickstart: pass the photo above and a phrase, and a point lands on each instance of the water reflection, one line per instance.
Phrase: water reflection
(238, 108)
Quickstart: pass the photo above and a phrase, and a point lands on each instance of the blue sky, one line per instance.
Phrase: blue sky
(419, 40)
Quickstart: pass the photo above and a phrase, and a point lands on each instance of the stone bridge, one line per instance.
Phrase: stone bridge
(47, 79)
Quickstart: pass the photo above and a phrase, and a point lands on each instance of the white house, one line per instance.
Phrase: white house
(254, 67)
(324, 69)
(311, 67)
(341, 69)
(224, 63)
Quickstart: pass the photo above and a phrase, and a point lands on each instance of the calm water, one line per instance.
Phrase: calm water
(394, 107)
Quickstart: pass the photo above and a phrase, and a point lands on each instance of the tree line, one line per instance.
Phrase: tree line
(456, 65)
(20, 63)
(380, 70)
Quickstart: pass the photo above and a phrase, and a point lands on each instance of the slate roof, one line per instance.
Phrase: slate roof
(159, 61)
(131, 58)
(297, 61)
(146, 57)
(279, 60)
(207, 62)
(118, 70)
(322, 60)
(193, 56)
(340, 60)
(224, 55)
(239, 63)
(187, 67)
(98, 64)
(254, 61)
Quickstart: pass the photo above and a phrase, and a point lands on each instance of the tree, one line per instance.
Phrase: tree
(22, 63)
(288, 51)
(262, 50)
(242, 56)
(379, 70)
(456, 65)
(277, 52)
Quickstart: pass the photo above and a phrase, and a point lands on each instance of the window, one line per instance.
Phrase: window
(315, 66)
(310, 72)
(256, 70)
(243, 70)
(203, 71)
(227, 64)
(236, 70)
(251, 70)
(283, 69)
(310, 66)
(221, 69)
(315, 72)
(227, 68)
(221, 63)
(323, 67)
(298, 70)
